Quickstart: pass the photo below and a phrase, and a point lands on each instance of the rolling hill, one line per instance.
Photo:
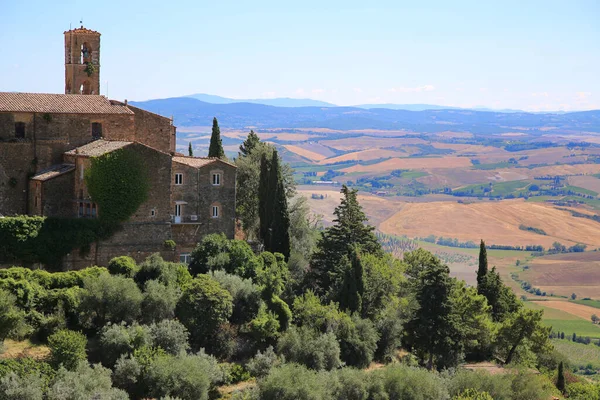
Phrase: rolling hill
(188, 111)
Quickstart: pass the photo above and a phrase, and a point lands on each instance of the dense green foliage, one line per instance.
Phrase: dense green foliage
(215, 148)
(67, 349)
(33, 239)
(306, 328)
(118, 182)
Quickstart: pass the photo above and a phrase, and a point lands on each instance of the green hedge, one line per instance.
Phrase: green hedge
(31, 239)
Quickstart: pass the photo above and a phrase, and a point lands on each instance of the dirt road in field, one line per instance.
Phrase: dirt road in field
(579, 310)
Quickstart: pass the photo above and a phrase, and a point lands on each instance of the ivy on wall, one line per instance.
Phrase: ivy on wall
(90, 68)
(118, 183)
(33, 239)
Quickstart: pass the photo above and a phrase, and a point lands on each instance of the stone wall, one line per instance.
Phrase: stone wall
(137, 240)
(158, 165)
(58, 195)
(16, 165)
(154, 130)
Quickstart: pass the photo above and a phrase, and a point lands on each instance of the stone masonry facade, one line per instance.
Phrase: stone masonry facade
(47, 142)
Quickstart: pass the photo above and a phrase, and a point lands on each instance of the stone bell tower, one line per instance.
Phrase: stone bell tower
(82, 61)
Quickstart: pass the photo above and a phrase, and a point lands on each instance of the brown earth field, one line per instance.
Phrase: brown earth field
(579, 310)
(411, 163)
(364, 155)
(586, 181)
(311, 155)
(370, 142)
(563, 274)
(495, 222)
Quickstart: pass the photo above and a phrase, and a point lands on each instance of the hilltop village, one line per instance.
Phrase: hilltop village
(47, 142)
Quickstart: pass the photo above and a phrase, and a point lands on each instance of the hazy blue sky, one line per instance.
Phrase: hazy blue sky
(534, 55)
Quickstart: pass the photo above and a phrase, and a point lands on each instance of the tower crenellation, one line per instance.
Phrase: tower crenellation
(82, 61)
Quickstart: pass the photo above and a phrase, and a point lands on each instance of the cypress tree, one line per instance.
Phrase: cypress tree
(216, 146)
(251, 142)
(265, 201)
(349, 229)
(483, 263)
(560, 380)
(190, 150)
(351, 294)
(280, 222)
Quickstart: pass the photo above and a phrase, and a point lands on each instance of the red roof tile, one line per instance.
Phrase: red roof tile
(97, 148)
(60, 103)
(198, 162)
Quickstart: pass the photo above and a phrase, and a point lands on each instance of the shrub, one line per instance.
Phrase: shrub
(29, 387)
(402, 382)
(350, 384)
(123, 265)
(119, 339)
(184, 376)
(109, 298)
(167, 273)
(358, 343)
(26, 366)
(245, 294)
(67, 348)
(260, 365)
(216, 252)
(84, 383)
(234, 373)
(203, 306)
(11, 318)
(497, 386)
(265, 327)
(170, 335)
(312, 349)
(159, 301)
(472, 394)
(294, 382)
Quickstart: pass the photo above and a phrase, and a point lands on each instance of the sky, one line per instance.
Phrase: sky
(526, 54)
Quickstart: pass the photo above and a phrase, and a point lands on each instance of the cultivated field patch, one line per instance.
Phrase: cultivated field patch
(411, 163)
(496, 222)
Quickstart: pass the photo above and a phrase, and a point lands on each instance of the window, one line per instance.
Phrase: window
(178, 210)
(178, 179)
(88, 209)
(215, 211)
(216, 179)
(153, 212)
(185, 258)
(96, 130)
(20, 130)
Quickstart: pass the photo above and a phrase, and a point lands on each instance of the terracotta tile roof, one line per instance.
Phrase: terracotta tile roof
(60, 103)
(53, 172)
(198, 162)
(97, 148)
(83, 30)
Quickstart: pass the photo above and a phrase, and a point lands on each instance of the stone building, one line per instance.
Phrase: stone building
(47, 142)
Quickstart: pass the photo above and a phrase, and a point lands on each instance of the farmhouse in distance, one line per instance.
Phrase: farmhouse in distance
(48, 141)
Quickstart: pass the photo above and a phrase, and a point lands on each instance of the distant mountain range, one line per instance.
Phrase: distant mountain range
(278, 102)
(289, 102)
(189, 111)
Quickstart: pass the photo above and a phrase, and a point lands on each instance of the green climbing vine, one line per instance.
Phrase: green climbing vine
(90, 68)
(118, 183)
(32, 239)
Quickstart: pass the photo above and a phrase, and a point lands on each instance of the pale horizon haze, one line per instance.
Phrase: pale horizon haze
(530, 55)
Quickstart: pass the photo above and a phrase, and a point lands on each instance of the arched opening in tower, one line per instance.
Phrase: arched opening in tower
(85, 88)
(86, 53)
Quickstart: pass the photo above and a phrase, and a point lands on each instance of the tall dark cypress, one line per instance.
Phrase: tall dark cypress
(483, 264)
(190, 150)
(351, 294)
(216, 145)
(560, 380)
(279, 241)
(265, 201)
